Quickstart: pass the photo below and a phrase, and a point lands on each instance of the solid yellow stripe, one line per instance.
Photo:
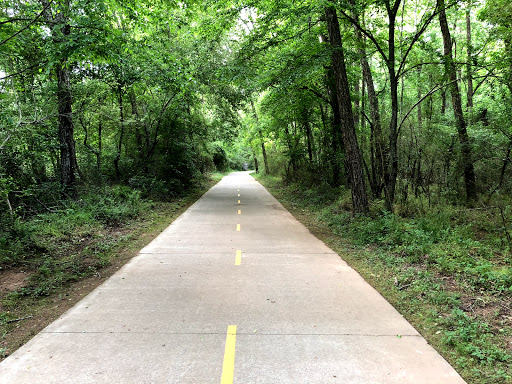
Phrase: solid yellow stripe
(238, 201)
(238, 227)
(239, 212)
(228, 367)
(238, 258)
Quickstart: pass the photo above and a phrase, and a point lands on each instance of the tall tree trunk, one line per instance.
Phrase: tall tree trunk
(469, 66)
(381, 154)
(64, 102)
(357, 105)
(420, 116)
(263, 150)
(506, 160)
(291, 150)
(100, 146)
(309, 136)
(255, 161)
(443, 101)
(138, 133)
(121, 133)
(390, 183)
(66, 129)
(451, 70)
(380, 160)
(358, 190)
(337, 141)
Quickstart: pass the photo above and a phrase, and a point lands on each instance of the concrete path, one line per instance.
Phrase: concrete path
(235, 290)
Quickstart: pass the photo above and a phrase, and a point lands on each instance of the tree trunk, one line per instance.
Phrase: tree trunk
(390, 182)
(420, 115)
(443, 101)
(66, 129)
(358, 190)
(138, 133)
(506, 160)
(469, 67)
(451, 70)
(263, 150)
(357, 105)
(309, 137)
(291, 150)
(381, 154)
(380, 160)
(255, 161)
(337, 141)
(100, 145)
(64, 102)
(121, 133)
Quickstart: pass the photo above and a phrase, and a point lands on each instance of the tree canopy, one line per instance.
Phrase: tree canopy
(387, 98)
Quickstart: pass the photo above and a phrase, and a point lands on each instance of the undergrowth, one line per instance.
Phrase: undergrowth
(59, 247)
(446, 268)
(77, 238)
(71, 242)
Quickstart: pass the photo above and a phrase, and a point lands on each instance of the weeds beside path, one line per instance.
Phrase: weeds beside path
(447, 271)
(55, 259)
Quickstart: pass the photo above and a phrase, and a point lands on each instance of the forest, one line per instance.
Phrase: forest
(383, 122)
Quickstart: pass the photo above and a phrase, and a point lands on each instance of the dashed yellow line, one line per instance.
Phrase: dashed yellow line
(238, 227)
(239, 211)
(238, 259)
(228, 367)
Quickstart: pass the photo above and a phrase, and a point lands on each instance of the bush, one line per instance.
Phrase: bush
(116, 205)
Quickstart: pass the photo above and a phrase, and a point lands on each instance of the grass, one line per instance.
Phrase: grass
(446, 269)
(60, 256)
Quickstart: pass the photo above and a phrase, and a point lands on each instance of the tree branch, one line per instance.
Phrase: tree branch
(415, 39)
(368, 34)
(21, 72)
(429, 93)
(316, 93)
(29, 24)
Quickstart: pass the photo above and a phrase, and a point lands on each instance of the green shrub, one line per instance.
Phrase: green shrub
(118, 204)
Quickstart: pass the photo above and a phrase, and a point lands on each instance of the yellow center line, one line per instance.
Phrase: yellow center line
(238, 201)
(238, 258)
(228, 367)
(238, 227)
(239, 212)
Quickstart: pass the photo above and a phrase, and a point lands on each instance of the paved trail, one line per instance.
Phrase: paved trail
(234, 291)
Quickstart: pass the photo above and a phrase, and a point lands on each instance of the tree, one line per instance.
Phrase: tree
(358, 187)
(395, 70)
(451, 71)
(61, 30)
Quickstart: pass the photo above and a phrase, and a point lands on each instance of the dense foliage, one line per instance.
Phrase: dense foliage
(420, 138)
